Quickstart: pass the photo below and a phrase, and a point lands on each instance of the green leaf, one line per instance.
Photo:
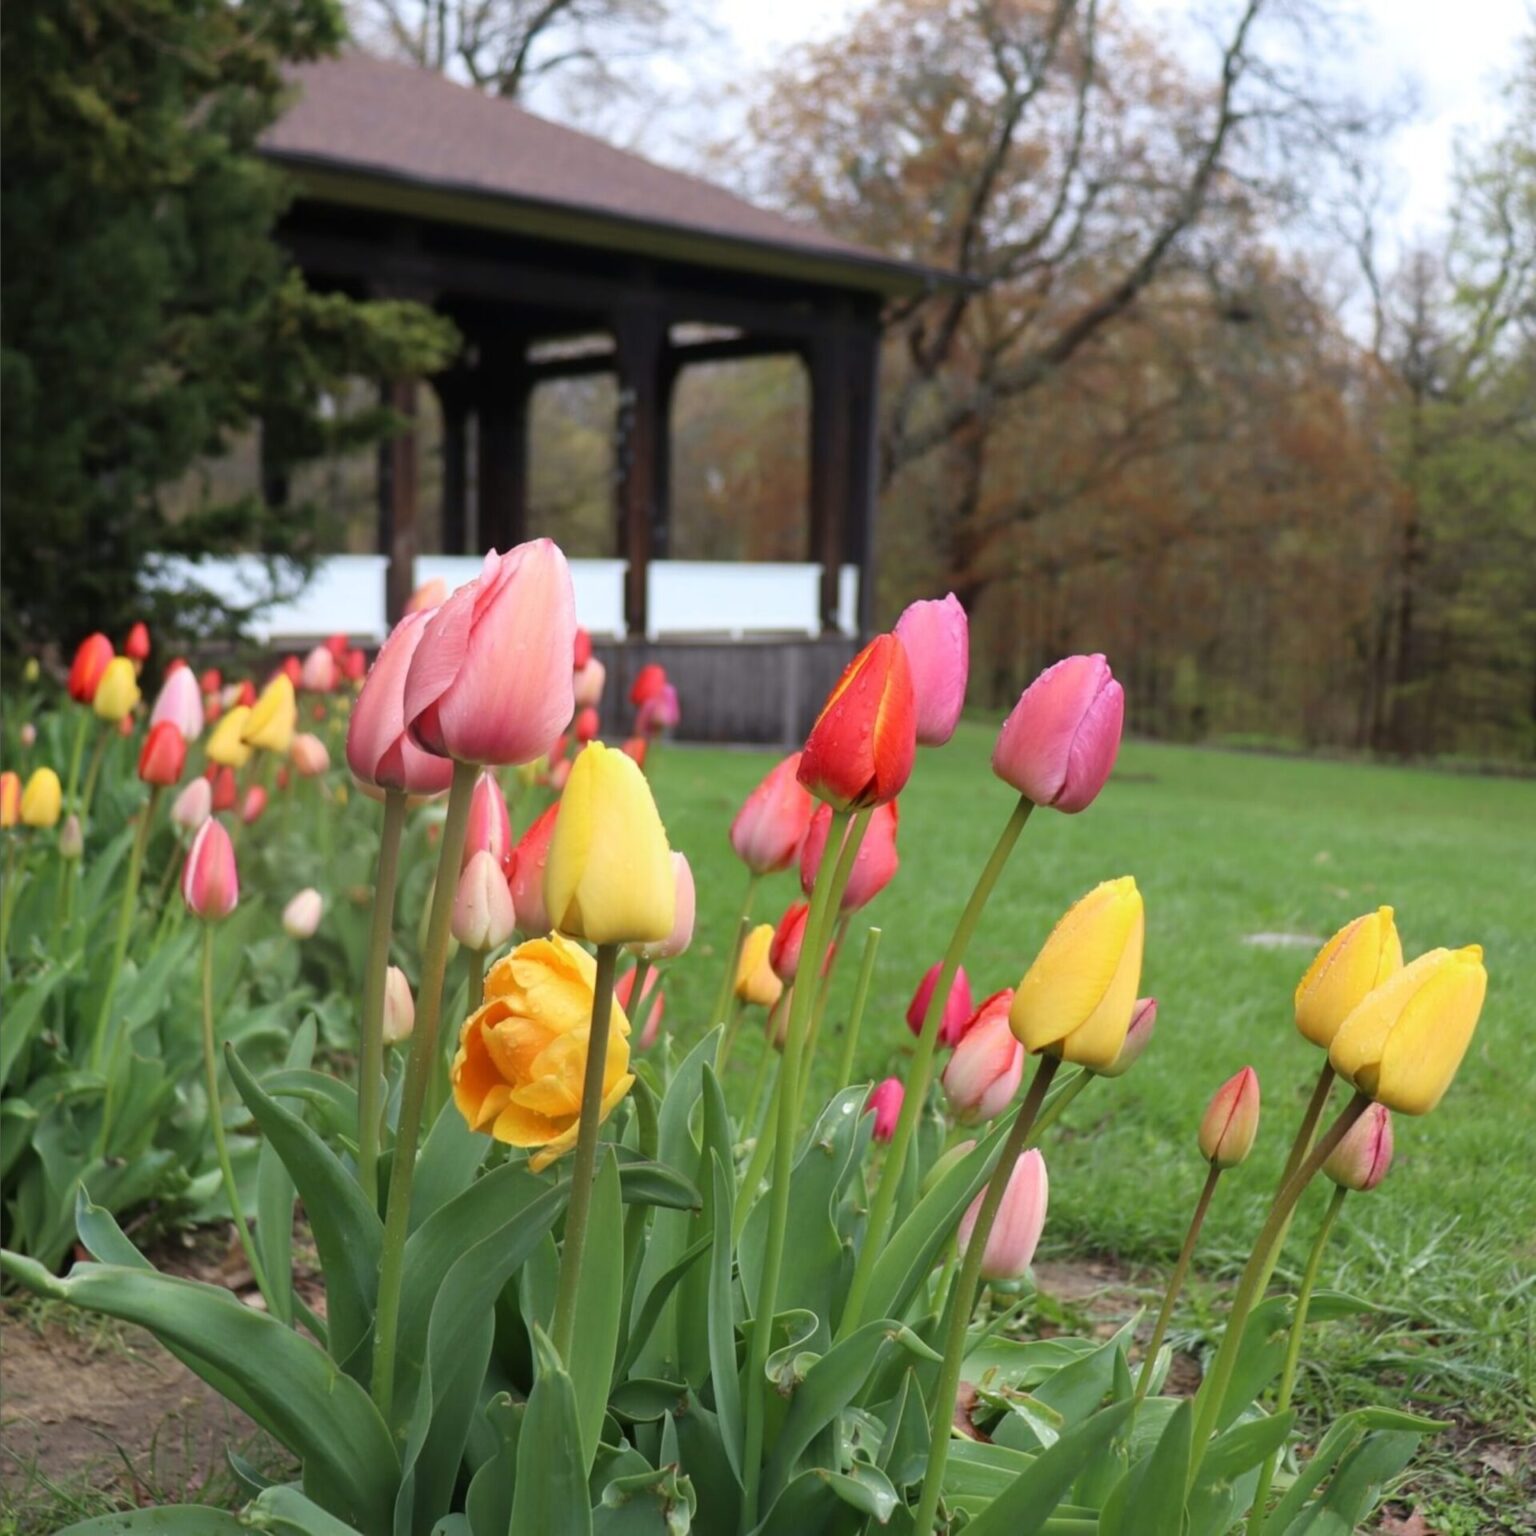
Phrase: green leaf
(284, 1511)
(23, 1016)
(1355, 1489)
(644, 1399)
(168, 1520)
(904, 1450)
(489, 1501)
(655, 1502)
(447, 1163)
(650, 1310)
(725, 1373)
(1244, 1446)
(333, 1100)
(1150, 1498)
(550, 1496)
(810, 1502)
(599, 1291)
(697, 1436)
(275, 1193)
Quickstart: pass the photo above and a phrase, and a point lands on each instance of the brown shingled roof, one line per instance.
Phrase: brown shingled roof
(397, 124)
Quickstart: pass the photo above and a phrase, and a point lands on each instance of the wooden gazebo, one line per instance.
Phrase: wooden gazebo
(525, 232)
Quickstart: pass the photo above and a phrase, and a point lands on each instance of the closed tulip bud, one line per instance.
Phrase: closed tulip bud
(224, 788)
(136, 646)
(874, 866)
(226, 744)
(1361, 1160)
(10, 798)
(1058, 746)
(118, 692)
(271, 721)
(755, 981)
(659, 713)
(1402, 1043)
(31, 670)
(525, 874)
(309, 756)
(634, 748)
(125, 726)
(210, 883)
(609, 877)
(649, 681)
(302, 914)
(885, 1103)
(491, 678)
(861, 748)
(586, 726)
(193, 806)
(1231, 1122)
(338, 645)
(164, 755)
(429, 595)
(28, 735)
(291, 669)
(180, 703)
(85, 671)
(399, 1007)
(957, 1007)
(245, 694)
(1137, 1038)
(211, 680)
(1354, 962)
(1075, 1001)
(982, 1076)
(380, 751)
(773, 820)
(483, 917)
(581, 650)
(937, 639)
(252, 806)
(71, 838)
(587, 684)
(489, 829)
(319, 672)
(42, 799)
(354, 665)
(652, 1002)
(681, 936)
(1020, 1220)
(788, 937)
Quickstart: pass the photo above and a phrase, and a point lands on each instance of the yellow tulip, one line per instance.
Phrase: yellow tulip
(42, 799)
(609, 877)
(273, 717)
(1403, 1043)
(118, 691)
(226, 743)
(1076, 1000)
(755, 978)
(1354, 962)
(523, 1054)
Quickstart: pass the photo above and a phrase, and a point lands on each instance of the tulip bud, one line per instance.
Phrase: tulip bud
(1137, 1038)
(302, 914)
(28, 735)
(659, 713)
(399, 1007)
(957, 1008)
(85, 671)
(253, 805)
(164, 755)
(31, 670)
(224, 790)
(936, 637)
(1231, 1120)
(1020, 1220)
(118, 691)
(289, 668)
(771, 824)
(194, 805)
(136, 646)
(525, 875)
(788, 937)
(776, 1029)
(874, 866)
(71, 838)
(319, 672)
(380, 751)
(588, 683)
(885, 1101)
(634, 748)
(983, 1075)
(482, 906)
(42, 800)
(10, 798)
(652, 1001)
(861, 748)
(649, 681)
(1058, 746)
(681, 936)
(244, 695)
(309, 756)
(1361, 1160)
(180, 703)
(581, 649)
(489, 828)
(272, 719)
(211, 680)
(355, 666)
(755, 981)
(226, 745)
(338, 645)
(586, 726)
(210, 883)
(1354, 962)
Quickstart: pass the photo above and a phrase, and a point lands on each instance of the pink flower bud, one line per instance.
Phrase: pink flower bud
(936, 637)
(253, 805)
(885, 1100)
(302, 914)
(772, 822)
(28, 734)
(784, 952)
(525, 878)
(194, 805)
(658, 713)
(1361, 1160)
(957, 1011)
(399, 1007)
(653, 1004)
(588, 683)
(1060, 743)
(180, 702)
(483, 917)
(1231, 1121)
(309, 754)
(1137, 1037)
(489, 829)
(379, 752)
(319, 672)
(681, 936)
(210, 883)
(873, 869)
(983, 1075)
(1020, 1220)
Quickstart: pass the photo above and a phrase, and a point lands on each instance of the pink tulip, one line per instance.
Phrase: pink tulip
(194, 805)
(653, 1004)
(784, 952)
(210, 883)
(399, 1007)
(957, 1010)
(180, 702)
(301, 917)
(489, 829)
(1020, 1220)
(319, 672)
(885, 1100)
(658, 713)
(310, 756)
(483, 915)
(1137, 1037)
(936, 637)
(560, 771)
(681, 936)
(1231, 1122)
(379, 751)
(429, 595)
(525, 876)
(772, 822)
(587, 684)
(873, 869)
(253, 805)
(491, 679)
(1361, 1160)
(1060, 743)
(984, 1073)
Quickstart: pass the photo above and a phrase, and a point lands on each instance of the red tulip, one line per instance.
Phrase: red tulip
(587, 725)
(784, 952)
(1020, 1220)
(379, 751)
(210, 883)
(936, 636)
(658, 713)
(91, 659)
(988, 1063)
(649, 681)
(175, 664)
(253, 805)
(1060, 743)
(1137, 1037)
(245, 694)
(636, 747)
(136, 646)
(355, 666)
(10, 798)
(525, 875)
(310, 755)
(957, 1009)
(338, 646)
(490, 828)
(223, 780)
(210, 681)
(1231, 1122)
(873, 869)
(164, 755)
(860, 750)
(885, 1101)
(293, 669)
(581, 650)
(483, 915)
(771, 824)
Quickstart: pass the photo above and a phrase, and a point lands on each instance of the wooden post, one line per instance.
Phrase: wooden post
(640, 339)
(397, 499)
(503, 393)
(831, 459)
(864, 448)
(453, 403)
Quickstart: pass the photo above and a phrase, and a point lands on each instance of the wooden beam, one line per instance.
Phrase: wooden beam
(727, 349)
(640, 337)
(397, 498)
(453, 398)
(831, 463)
(503, 388)
(863, 387)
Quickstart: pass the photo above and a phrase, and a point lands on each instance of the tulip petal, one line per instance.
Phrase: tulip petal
(1422, 1053)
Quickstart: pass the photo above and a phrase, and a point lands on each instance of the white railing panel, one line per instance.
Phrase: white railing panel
(346, 593)
(692, 597)
(598, 585)
(848, 599)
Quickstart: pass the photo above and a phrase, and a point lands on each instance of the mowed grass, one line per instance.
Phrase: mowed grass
(1224, 846)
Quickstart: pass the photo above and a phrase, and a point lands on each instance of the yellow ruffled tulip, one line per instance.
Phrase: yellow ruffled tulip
(755, 978)
(523, 1054)
(226, 743)
(42, 799)
(1403, 1043)
(118, 691)
(273, 717)
(1076, 1000)
(609, 876)
(1353, 963)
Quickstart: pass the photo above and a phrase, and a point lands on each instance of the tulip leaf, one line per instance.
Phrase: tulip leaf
(1149, 1500)
(904, 1450)
(811, 1501)
(167, 1520)
(599, 1292)
(550, 1495)
(696, 1433)
(24, 1016)
(282, 1510)
(446, 1164)
(652, 1502)
(1245, 1445)
(977, 1469)
(724, 1371)
(645, 1399)
(650, 1309)
(334, 1100)
(1354, 1490)
(275, 1193)
(488, 1503)
(693, 1311)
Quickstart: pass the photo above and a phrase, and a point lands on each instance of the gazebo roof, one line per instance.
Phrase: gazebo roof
(374, 134)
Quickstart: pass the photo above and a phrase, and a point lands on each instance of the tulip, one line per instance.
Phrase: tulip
(1058, 746)
(1075, 1001)
(755, 981)
(522, 1054)
(210, 681)
(28, 735)
(193, 806)
(609, 877)
(85, 671)
(634, 748)
(1354, 962)
(1020, 1220)
(290, 669)
(581, 649)
(936, 637)
(210, 883)
(489, 829)
(118, 691)
(42, 800)
(31, 670)
(784, 952)
(338, 645)
(1361, 1159)
(71, 838)
(226, 745)
(354, 665)
(164, 755)
(302, 914)
(483, 918)
(861, 748)
(271, 722)
(1137, 1038)
(588, 682)
(310, 756)
(491, 678)
(245, 694)
(319, 672)
(587, 725)
(525, 874)
(772, 822)
(180, 703)
(658, 713)
(380, 751)
(984, 1073)
(874, 866)
(1231, 1121)
(885, 1101)
(1402, 1043)
(651, 998)
(253, 805)
(429, 595)
(681, 935)
(10, 798)
(957, 1008)
(399, 1007)
(649, 681)
(136, 646)
(223, 781)
(125, 726)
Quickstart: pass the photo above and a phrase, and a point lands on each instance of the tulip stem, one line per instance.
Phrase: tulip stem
(823, 987)
(638, 978)
(98, 752)
(1255, 1276)
(963, 1300)
(754, 1098)
(1176, 1282)
(8, 895)
(75, 753)
(730, 1017)
(370, 1070)
(474, 990)
(1256, 1512)
(920, 1074)
(856, 1013)
(584, 1164)
(418, 1074)
(728, 981)
(1061, 1101)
